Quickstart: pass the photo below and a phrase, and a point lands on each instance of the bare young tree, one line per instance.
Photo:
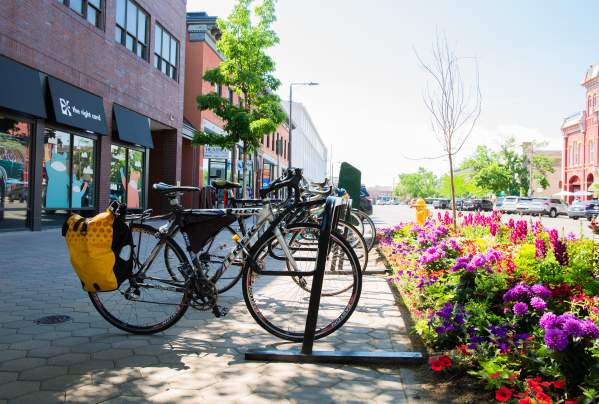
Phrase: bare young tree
(454, 108)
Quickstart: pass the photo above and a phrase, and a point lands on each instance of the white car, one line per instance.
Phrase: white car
(546, 206)
(507, 204)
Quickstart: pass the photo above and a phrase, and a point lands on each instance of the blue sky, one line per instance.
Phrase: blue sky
(532, 56)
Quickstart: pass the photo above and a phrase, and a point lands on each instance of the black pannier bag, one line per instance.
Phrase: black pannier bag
(203, 226)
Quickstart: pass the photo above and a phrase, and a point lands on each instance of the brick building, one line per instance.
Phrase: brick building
(91, 105)
(581, 140)
(203, 164)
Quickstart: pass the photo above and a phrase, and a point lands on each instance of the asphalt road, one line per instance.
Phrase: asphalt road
(389, 215)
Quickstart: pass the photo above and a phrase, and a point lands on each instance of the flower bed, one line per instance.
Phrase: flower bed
(513, 304)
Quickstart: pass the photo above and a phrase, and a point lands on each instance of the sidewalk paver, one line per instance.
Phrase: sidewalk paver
(200, 359)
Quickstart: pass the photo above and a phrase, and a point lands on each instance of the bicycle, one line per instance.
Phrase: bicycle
(158, 295)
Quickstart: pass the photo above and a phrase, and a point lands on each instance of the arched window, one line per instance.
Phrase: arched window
(580, 155)
(591, 151)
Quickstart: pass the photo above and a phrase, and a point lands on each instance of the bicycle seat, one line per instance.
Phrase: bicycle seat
(166, 189)
(224, 184)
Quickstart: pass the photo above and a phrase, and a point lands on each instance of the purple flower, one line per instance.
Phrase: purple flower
(589, 329)
(573, 327)
(541, 291)
(537, 303)
(519, 292)
(547, 320)
(540, 248)
(446, 311)
(520, 309)
(556, 339)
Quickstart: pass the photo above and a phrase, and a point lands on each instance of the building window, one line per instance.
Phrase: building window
(132, 27)
(231, 95)
(285, 149)
(268, 141)
(91, 10)
(68, 172)
(127, 176)
(591, 151)
(15, 147)
(166, 52)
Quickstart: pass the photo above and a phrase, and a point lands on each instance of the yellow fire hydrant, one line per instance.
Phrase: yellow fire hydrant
(422, 211)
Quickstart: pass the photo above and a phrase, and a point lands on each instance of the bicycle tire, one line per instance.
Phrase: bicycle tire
(96, 298)
(368, 226)
(356, 239)
(249, 278)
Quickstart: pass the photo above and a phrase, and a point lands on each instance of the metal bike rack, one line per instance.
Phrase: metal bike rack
(307, 354)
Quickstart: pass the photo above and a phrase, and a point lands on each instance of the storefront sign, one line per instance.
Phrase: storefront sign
(216, 152)
(21, 88)
(132, 127)
(78, 108)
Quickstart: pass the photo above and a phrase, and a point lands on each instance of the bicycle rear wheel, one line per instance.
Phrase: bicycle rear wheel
(280, 305)
(155, 301)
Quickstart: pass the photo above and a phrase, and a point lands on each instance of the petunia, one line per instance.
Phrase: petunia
(503, 394)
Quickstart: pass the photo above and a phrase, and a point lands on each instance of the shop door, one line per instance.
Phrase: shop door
(217, 170)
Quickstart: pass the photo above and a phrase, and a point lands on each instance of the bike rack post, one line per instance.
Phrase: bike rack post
(307, 354)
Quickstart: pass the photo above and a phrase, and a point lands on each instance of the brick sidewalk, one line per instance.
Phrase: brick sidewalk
(198, 360)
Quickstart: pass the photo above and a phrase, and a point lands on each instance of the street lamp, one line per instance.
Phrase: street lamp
(311, 83)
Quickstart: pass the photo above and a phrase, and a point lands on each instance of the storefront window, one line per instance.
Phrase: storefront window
(15, 143)
(57, 169)
(127, 176)
(82, 185)
(68, 175)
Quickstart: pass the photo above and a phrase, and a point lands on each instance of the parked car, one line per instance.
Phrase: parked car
(459, 204)
(17, 191)
(592, 210)
(508, 204)
(522, 205)
(578, 209)
(477, 204)
(547, 206)
(365, 201)
(441, 203)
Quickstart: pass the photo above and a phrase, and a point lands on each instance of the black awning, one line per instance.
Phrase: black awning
(21, 88)
(76, 107)
(132, 127)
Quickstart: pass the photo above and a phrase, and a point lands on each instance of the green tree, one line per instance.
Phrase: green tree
(422, 183)
(249, 72)
(507, 170)
(464, 186)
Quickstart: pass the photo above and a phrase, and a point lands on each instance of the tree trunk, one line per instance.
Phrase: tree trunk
(245, 171)
(453, 209)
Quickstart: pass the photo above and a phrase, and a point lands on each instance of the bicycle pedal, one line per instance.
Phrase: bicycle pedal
(220, 311)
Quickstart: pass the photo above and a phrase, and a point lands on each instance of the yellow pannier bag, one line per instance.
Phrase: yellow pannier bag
(100, 249)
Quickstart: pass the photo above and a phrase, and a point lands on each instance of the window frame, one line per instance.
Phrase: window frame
(145, 152)
(84, 7)
(159, 58)
(124, 33)
(72, 133)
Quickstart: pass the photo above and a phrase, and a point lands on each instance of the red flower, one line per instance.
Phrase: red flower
(543, 398)
(559, 384)
(526, 400)
(503, 394)
(437, 366)
(570, 402)
(495, 375)
(512, 377)
(445, 361)
(463, 349)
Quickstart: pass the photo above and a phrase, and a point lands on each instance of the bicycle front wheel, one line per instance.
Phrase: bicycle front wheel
(279, 304)
(154, 301)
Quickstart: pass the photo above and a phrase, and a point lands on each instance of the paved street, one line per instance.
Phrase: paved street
(393, 214)
(198, 360)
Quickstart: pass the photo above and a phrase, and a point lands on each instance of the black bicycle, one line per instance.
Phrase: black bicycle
(275, 290)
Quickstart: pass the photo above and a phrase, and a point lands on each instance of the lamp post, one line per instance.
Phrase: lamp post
(311, 83)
